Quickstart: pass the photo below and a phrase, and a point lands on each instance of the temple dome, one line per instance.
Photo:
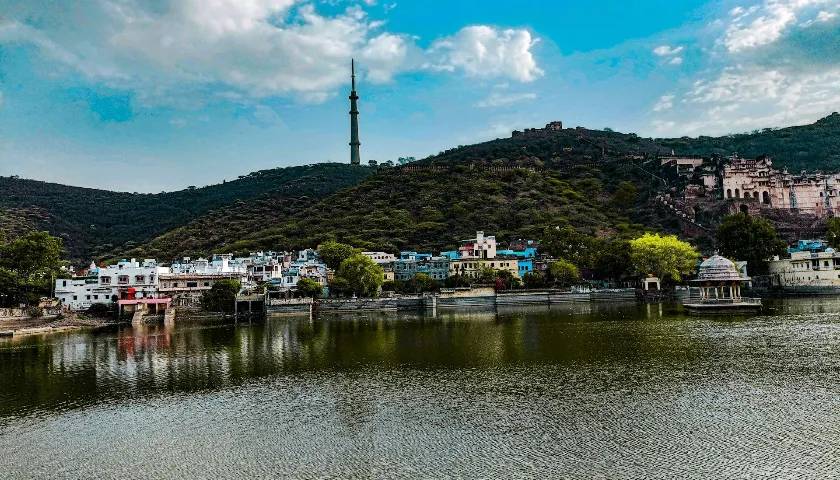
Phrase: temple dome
(717, 268)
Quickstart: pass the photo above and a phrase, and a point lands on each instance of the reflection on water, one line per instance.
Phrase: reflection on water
(580, 390)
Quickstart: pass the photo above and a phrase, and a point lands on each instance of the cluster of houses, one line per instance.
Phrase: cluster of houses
(183, 282)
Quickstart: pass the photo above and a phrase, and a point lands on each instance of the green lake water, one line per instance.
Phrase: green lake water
(579, 391)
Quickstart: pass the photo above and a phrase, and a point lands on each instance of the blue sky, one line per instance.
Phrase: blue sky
(152, 95)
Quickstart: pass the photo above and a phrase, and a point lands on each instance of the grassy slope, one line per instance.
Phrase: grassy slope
(94, 221)
(448, 197)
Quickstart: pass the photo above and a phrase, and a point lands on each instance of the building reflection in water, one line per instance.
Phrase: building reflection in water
(76, 369)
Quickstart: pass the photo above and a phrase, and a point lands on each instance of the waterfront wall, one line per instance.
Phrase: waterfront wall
(21, 313)
(461, 298)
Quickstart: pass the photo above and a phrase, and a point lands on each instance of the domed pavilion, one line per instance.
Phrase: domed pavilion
(720, 288)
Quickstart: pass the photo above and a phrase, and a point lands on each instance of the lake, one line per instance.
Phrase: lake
(578, 391)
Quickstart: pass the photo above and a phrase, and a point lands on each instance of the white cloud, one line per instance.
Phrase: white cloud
(666, 102)
(825, 16)
(385, 55)
(765, 23)
(667, 50)
(253, 48)
(483, 51)
(499, 99)
(669, 54)
(745, 98)
(772, 66)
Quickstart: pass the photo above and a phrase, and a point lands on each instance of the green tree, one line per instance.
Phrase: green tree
(564, 273)
(486, 275)
(28, 266)
(422, 282)
(333, 253)
(832, 232)
(752, 239)
(363, 275)
(624, 197)
(309, 288)
(611, 260)
(666, 257)
(534, 280)
(339, 286)
(569, 244)
(221, 297)
(505, 280)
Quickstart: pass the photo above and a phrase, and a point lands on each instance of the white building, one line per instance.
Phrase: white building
(806, 269)
(104, 285)
(479, 247)
(220, 263)
(263, 266)
(381, 258)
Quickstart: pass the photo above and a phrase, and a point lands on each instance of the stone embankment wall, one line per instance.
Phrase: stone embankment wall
(21, 313)
(467, 298)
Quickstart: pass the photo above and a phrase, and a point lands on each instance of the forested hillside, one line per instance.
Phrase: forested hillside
(600, 182)
(512, 187)
(807, 147)
(93, 222)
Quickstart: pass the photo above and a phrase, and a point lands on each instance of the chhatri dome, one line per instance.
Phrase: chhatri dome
(718, 268)
(720, 289)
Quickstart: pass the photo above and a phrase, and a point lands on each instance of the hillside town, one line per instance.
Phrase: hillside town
(182, 283)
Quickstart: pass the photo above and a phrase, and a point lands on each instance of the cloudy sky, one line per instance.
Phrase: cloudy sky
(151, 95)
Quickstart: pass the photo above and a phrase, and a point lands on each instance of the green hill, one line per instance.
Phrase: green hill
(93, 221)
(600, 182)
(807, 147)
(513, 188)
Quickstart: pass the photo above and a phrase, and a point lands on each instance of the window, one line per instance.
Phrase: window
(206, 284)
(96, 297)
(64, 283)
(75, 298)
(192, 284)
(139, 278)
(105, 280)
(122, 279)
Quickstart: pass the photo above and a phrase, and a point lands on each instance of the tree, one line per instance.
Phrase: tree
(666, 257)
(624, 197)
(363, 275)
(486, 274)
(309, 288)
(422, 282)
(333, 253)
(28, 265)
(753, 239)
(563, 273)
(611, 260)
(534, 280)
(569, 244)
(833, 232)
(455, 281)
(221, 297)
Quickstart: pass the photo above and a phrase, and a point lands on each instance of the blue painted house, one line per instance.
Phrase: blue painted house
(411, 263)
(525, 257)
